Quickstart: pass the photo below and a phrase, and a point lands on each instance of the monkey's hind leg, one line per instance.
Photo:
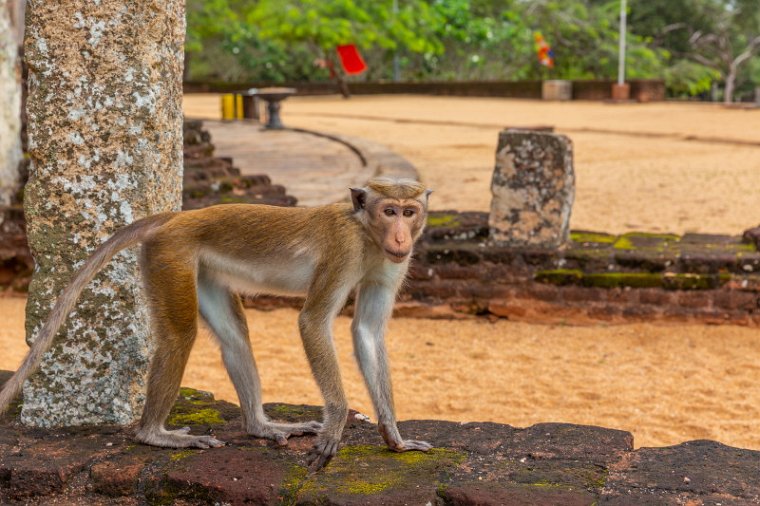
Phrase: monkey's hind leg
(223, 313)
(174, 315)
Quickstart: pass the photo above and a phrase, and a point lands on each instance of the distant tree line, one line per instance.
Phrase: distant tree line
(700, 47)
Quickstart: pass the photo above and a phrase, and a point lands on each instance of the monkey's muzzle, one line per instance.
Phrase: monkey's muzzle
(396, 256)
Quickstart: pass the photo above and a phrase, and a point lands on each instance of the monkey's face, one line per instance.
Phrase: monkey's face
(395, 225)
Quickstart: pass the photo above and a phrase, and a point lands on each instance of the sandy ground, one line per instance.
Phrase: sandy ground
(665, 384)
(635, 168)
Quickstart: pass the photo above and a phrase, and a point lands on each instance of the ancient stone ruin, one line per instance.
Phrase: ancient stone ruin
(533, 189)
(105, 144)
(476, 463)
(210, 180)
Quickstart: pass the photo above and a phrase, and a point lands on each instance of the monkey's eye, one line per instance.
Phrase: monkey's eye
(408, 213)
(390, 211)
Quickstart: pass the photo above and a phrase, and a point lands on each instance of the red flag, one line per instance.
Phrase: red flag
(350, 59)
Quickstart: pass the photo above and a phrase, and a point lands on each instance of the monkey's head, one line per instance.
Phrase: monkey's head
(393, 212)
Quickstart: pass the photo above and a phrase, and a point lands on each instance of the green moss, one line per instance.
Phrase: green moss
(233, 199)
(601, 280)
(644, 240)
(182, 454)
(442, 220)
(366, 488)
(196, 396)
(546, 484)
(592, 237)
(287, 411)
(363, 470)
(201, 417)
(292, 484)
(597, 480)
(559, 276)
(690, 281)
(622, 279)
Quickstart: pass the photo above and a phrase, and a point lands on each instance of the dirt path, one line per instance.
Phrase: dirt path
(636, 167)
(666, 384)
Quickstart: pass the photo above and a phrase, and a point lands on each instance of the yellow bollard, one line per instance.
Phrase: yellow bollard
(239, 107)
(228, 106)
(232, 106)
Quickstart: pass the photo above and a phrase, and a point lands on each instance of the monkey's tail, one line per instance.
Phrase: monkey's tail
(124, 238)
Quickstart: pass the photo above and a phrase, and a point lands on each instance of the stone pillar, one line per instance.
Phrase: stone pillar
(105, 140)
(533, 189)
(10, 112)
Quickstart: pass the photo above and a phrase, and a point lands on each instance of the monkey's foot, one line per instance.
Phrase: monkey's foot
(280, 432)
(322, 453)
(393, 439)
(410, 445)
(176, 439)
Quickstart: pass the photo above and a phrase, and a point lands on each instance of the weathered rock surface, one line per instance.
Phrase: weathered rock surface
(471, 464)
(752, 236)
(105, 142)
(533, 189)
(10, 91)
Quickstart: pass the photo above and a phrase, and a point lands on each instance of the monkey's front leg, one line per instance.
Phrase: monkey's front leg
(315, 324)
(373, 309)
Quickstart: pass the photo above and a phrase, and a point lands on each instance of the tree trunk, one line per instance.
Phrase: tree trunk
(728, 93)
(105, 141)
(10, 113)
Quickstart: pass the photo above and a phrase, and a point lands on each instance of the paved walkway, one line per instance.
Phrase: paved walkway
(316, 168)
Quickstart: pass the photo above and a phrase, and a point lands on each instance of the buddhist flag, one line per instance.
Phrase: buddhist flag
(544, 51)
(350, 59)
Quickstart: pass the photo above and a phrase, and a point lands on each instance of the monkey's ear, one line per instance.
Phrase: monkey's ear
(427, 194)
(359, 198)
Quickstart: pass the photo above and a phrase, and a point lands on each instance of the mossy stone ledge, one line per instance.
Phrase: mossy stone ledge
(478, 463)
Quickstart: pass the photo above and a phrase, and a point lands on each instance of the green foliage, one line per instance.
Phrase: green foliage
(688, 42)
(689, 78)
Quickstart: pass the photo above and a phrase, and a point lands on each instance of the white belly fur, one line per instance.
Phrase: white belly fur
(289, 275)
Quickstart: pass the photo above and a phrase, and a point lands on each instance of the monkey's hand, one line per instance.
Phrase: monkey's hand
(322, 453)
(393, 439)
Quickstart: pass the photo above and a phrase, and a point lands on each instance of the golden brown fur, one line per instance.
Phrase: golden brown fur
(197, 261)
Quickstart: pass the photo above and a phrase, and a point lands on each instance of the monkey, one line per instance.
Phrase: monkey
(198, 262)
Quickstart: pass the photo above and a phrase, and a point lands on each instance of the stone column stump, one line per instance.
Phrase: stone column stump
(105, 142)
(533, 189)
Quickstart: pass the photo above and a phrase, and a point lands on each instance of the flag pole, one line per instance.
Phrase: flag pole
(621, 54)
(396, 66)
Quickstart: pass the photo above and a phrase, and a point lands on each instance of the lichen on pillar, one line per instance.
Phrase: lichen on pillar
(105, 142)
(533, 188)
(10, 91)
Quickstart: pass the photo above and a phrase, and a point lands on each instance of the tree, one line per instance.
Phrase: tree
(584, 36)
(735, 39)
(321, 26)
(707, 39)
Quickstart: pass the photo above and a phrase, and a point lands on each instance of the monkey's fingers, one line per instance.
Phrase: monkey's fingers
(281, 439)
(412, 445)
(321, 454)
(209, 441)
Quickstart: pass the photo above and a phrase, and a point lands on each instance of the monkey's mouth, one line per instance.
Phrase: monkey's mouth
(396, 256)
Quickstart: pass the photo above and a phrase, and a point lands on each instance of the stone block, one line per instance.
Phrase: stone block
(533, 190)
(557, 89)
(621, 91)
